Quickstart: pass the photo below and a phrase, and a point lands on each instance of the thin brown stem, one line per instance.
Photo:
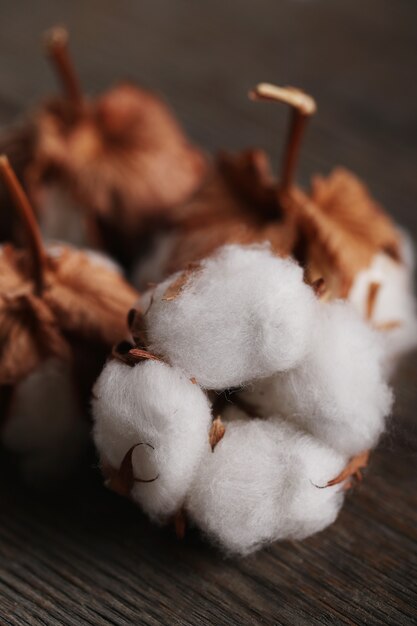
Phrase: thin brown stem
(302, 107)
(56, 42)
(27, 216)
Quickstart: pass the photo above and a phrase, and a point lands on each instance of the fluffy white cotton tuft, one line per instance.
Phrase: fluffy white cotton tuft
(395, 307)
(244, 314)
(261, 484)
(154, 404)
(314, 371)
(45, 425)
(338, 393)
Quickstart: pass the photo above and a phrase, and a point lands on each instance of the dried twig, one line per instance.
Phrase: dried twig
(25, 210)
(56, 44)
(302, 106)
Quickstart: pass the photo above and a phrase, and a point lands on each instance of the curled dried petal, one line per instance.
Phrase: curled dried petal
(217, 432)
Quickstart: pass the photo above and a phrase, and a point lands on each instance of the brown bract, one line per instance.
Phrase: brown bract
(237, 205)
(82, 303)
(217, 432)
(123, 479)
(122, 157)
(342, 228)
(334, 231)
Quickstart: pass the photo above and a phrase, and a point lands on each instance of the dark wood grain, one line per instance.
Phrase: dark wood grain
(84, 556)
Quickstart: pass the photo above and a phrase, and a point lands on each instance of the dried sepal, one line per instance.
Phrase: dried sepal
(320, 288)
(175, 288)
(123, 479)
(373, 291)
(352, 470)
(88, 298)
(130, 355)
(54, 301)
(125, 158)
(388, 326)
(343, 228)
(122, 157)
(217, 432)
(237, 205)
(249, 175)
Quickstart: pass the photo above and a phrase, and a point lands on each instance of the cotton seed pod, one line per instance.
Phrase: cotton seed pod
(233, 314)
(105, 172)
(337, 231)
(61, 310)
(244, 481)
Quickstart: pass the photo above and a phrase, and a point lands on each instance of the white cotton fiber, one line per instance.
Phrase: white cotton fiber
(261, 484)
(395, 308)
(338, 392)
(45, 425)
(243, 315)
(155, 404)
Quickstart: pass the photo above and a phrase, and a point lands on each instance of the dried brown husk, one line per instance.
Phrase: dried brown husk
(122, 157)
(352, 471)
(83, 304)
(217, 432)
(334, 232)
(342, 229)
(238, 205)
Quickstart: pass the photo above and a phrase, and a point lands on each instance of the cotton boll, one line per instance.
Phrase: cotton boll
(244, 314)
(338, 393)
(261, 484)
(395, 308)
(45, 424)
(157, 405)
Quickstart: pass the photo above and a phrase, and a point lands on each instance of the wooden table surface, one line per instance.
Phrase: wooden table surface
(84, 556)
